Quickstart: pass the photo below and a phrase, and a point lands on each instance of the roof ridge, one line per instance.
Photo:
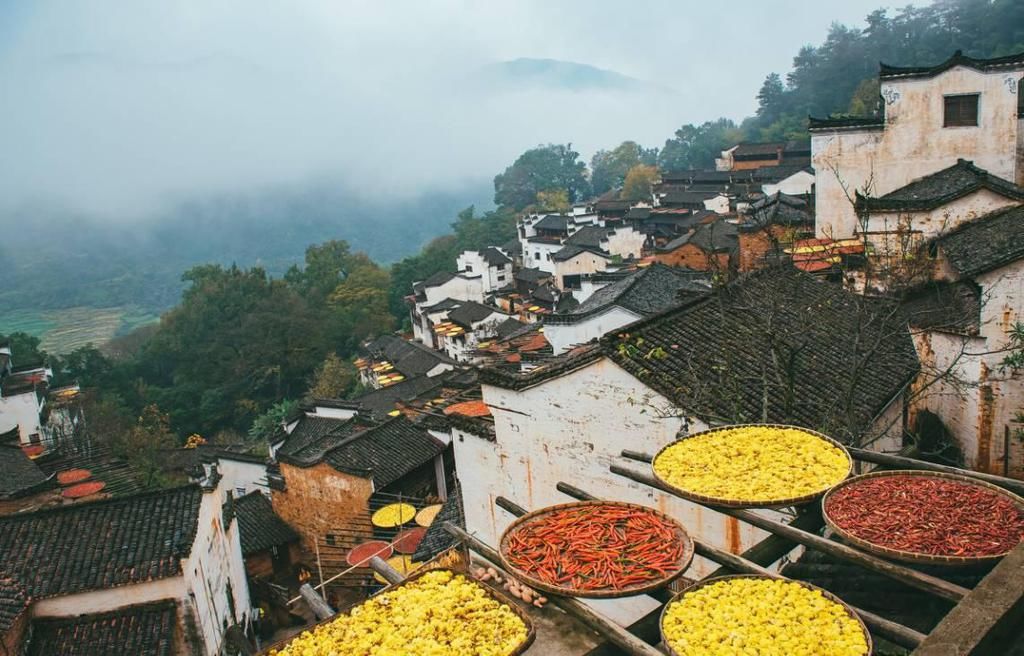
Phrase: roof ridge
(102, 502)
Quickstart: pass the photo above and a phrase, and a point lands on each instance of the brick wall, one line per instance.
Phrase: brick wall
(320, 498)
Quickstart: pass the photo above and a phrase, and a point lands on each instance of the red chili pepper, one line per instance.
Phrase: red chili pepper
(928, 515)
(596, 546)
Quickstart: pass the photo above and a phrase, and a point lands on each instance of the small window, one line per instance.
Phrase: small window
(961, 110)
(469, 267)
(501, 278)
(240, 491)
(536, 256)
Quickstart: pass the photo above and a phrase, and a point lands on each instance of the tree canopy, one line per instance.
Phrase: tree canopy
(544, 168)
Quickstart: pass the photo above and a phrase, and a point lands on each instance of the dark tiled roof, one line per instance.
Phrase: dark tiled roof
(494, 257)
(143, 629)
(694, 198)
(439, 278)
(846, 123)
(513, 246)
(446, 304)
(645, 292)
(13, 601)
(471, 312)
(716, 237)
(385, 453)
(553, 222)
(259, 526)
(508, 327)
(949, 307)
(437, 540)
(779, 209)
(382, 401)
(325, 436)
(940, 188)
(763, 149)
(1010, 62)
(309, 431)
(119, 477)
(589, 236)
(986, 243)
(572, 250)
(777, 346)
(409, 358)
(529, 275)
(572, 360)
(18, 474)
(612, 205)
(99, 545)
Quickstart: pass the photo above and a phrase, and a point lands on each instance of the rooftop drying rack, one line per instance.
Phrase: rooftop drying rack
(640, 637)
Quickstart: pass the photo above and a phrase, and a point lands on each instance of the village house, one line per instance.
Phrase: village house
(792, 181)
(962, 325)
(770, 227)
(25, 402)
(440, 288)
(754, 155)
(389, 359)
(159, 572)
(270, 547)
(933, 116)
(711, 246)
(774, 346)
(637, 295)
(493, 266)
(466, 326)
(333, 473)
(542, 237)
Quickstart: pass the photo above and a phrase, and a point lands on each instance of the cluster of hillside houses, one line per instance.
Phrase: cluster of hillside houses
(867, 284)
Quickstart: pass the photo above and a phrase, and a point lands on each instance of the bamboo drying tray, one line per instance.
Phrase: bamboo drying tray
(601, 593)
(741, 503)
(497, 595)
(718, 579)
(912, 556)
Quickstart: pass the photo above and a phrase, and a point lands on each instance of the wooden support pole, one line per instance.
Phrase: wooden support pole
(321, 610)
(896, 633)
(926, 582)
(510, 506)
(390, 574)
(606, 627)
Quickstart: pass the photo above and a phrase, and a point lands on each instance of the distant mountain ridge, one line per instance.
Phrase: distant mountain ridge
(555, 74)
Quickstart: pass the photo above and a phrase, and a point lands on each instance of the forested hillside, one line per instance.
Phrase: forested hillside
(242, 344)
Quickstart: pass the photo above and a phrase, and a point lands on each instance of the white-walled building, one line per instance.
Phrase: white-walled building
(630, 298)
(492, 265)
(963, 108)
(165, 565)
(798, 183)
(962, 327)
(683, 370)
(467, 326)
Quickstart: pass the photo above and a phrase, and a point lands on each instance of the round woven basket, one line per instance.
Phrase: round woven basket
(497, 595)
(911, 556)
(741, 503)
(700, 584)
(602, 593)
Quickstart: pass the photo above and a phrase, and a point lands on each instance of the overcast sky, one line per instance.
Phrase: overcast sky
(116, 108)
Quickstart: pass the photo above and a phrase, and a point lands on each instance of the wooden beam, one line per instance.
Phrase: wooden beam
(321, 610)
(389, 573)
(989, 620)
(629, 643)
(926, 582)
(892, 631)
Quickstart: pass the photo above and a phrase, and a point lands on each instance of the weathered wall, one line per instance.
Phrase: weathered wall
(798, 184)
(914, 143)
(691, 257)
(563, 336)
(320, 498)
(462, 288)
(242, 477)
(884, 228)
(215, 572)
(583, 263)
(625, 242)
(755, 244)
(537, 255)
(100, 601)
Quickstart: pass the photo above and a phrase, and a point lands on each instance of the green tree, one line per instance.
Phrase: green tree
(360, 306)
(639, 181)
(266, 424)
(770, 98)
(697, 146)
(608, 168)
(142, 445)
(332, 379)
(866, 98)
(25, 348)
(544, 168)
(554, 200)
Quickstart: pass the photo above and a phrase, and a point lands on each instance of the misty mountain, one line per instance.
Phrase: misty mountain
(56, 259)
(555, 75)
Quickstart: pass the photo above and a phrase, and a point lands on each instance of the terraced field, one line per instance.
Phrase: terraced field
(65, 330)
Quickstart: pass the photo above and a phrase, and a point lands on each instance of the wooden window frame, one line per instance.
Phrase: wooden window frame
(958, 121)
